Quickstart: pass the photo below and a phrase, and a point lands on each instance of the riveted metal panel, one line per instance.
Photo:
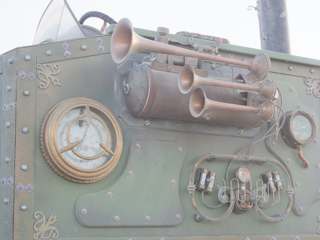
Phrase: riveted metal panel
(8, 144)
(25, 144)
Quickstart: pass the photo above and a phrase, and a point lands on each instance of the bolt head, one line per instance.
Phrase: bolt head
(273, 143)
(24, 167)
(240, 131)
(299, 105)
(315, 141)
(146, 122)
(138, 146)
(23, 208)
(26, 93)
(180, 149)
(84, 211)
(83, 47)
(122, 73)
(27, 57)
(301, 209)
(110, 194)
(7, 159)
(6, 200)
(288, 160)
(130, 173)
(173, 182)
(10, 60)
(207, 117)
(297, 184)
(8, 124)
(291, 89)
(116, 219)
(148, 219)
(126, 89)
(25, 130)
(9, 88)
(290, 68)
(48, 52)
(312, 70)
(178, 216)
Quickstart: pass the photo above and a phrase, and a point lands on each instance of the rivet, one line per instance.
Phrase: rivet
(138, 146)
(178, 216)
(124, 110)
(10, 60)
(210, 128)
(312, 115)
(240, 131)
(7, 159)
(297, 184)
(116, 219)
(291, 89)
(273, 143)
(27, 57)
(110, 194)
(23, 208)
(290, 68)
(126, 89)
(9, 88)
(288, 160)
(24, 167)
(130, 173)
(84, 211)
(6, 200)
(148, 219)
(122, 73)
(8, 124)
(48, 52)
(134, 64)
(299, 105)
(83, 47)
(25, 130)
(207, 117)
(315, 141)
(26, 93)
(179, 125)
(301, 209)
(318, 165)
(180, 149)
(173, 182)
(312, 70)
(146, 122)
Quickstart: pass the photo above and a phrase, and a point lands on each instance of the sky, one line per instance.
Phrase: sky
(222, 18)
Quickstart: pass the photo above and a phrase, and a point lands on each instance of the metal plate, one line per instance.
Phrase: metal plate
(150, 182)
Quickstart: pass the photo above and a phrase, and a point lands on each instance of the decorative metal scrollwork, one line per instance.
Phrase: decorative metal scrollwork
(44, 230)
(314, 85)
(47, 73)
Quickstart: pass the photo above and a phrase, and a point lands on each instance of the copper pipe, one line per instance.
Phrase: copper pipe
(302, 158)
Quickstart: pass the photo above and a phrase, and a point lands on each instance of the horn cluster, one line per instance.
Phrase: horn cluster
(258, 109)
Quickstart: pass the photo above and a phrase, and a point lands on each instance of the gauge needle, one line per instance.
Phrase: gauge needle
(81, 141)
(108, 150)
(69, 147)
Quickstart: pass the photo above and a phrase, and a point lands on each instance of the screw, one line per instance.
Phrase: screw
(24, 167)
(312, 70)
(110, 194)
(210, 128)
(26, 93)
(179, 125)
(23, 208)
(116, 219)
(240, 131)
(315, 141)
(299, 105)
(130, 173)
(301, 209)
(173, 182)
(84, 211)
(6, 200)
(148, 219)
(273, 143)
(138, 146)
(9, 88)
(178, 216)
(297, 184)
(207, 117)
(122, 73)
(126, 89)
(8, 124)
(124, 110)
(290, 68)
(288, 160)
(25, 130)
(27, 57)
(146, 122)
(291, 89)
(7, 159)
(83, 47)
(180, 149)
(10, 60)
(48, 52)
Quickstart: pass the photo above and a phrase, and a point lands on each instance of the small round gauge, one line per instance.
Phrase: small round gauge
(81, 140)
(299, 129)
(243, 174)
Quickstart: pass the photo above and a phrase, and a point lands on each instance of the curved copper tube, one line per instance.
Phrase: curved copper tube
(303, 159)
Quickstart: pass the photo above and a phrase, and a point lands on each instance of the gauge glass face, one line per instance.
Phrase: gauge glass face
(301, 127)
(87, 136)
(244, 174)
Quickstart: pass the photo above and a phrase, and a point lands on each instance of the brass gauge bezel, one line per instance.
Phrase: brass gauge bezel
(53, 154)
(287, 132)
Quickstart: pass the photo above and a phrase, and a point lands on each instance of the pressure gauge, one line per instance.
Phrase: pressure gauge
(81, 140)
(243, 174)
(299, 129)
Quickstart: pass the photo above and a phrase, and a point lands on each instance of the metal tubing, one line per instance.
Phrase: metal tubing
(302, 158)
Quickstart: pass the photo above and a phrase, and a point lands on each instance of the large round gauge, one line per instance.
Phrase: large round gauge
(299, 129)
(81, 140)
